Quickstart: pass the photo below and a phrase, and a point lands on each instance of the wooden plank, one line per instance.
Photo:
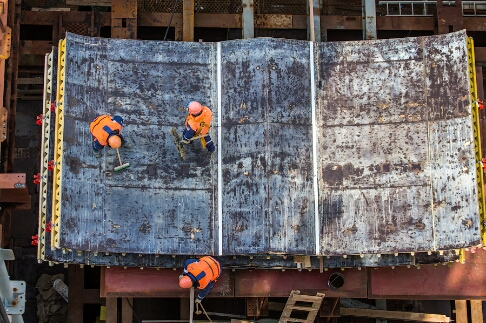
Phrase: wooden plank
(302, 308)
(76, 287)
(97, 3)
(461, 311)
(127, 312)
(394, 315)
(476, 311)
(480, 54)
(30, 80)
(111, 310)
(188, 20)
(35, 47)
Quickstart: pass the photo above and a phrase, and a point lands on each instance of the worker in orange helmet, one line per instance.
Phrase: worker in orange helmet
(107, 131)
(198, 122)
(200, 273)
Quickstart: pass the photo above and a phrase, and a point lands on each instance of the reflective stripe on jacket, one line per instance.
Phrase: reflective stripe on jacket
(205, 270)
(102, 127)
(202, 122)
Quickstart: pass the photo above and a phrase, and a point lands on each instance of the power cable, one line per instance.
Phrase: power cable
(173, 12)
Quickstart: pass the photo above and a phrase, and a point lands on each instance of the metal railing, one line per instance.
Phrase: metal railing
(423, 8)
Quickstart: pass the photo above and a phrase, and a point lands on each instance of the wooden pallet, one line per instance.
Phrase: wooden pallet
(312, 309)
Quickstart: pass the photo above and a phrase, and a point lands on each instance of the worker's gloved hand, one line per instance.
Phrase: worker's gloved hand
(180, 277)
(185, 141)
(198, 301)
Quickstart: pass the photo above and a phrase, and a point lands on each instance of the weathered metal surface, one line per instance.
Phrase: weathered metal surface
(246, 262)
(396, 158)
(274, 283)
(268, 203)
(460, 281)
(160, 205)
(119, 282)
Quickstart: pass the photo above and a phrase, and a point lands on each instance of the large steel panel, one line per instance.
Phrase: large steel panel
(268, 203)
(395, 134)
(160, 200)
(391, 121)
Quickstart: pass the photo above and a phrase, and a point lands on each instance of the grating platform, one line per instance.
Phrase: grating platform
(318, 152)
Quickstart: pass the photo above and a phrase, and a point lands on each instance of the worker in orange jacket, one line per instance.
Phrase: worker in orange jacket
(198, 122)
(106, 131)
(200, 273)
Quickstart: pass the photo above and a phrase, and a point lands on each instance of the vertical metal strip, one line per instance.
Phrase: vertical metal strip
(220, 163)
(44, 162)
(477, 134)
(314, 146)
(59, 128)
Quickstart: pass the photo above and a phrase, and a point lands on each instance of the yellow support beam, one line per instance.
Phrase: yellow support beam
(477, 134)
(58, 141)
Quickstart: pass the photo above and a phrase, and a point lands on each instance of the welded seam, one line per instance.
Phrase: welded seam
(314, 146)
(432, 208)
(220, 171)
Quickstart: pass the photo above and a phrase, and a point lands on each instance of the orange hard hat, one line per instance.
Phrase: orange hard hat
(185, 282)
(114, 141)
(194, 107)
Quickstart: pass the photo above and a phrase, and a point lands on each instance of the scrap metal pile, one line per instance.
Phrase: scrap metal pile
(345, 154)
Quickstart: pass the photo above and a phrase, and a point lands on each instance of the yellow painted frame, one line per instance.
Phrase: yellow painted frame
(58, 145)
(477, 134)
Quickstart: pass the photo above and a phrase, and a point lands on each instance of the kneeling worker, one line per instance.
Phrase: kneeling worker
(200, 273)
(106, 131)
(198, 122)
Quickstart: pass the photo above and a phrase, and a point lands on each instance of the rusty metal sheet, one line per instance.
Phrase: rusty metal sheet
(133, 282)
(395, 160)
(276, 283)
(159, 201)
(391, 153)
(273, 21)
(459, 281)
(267, 164)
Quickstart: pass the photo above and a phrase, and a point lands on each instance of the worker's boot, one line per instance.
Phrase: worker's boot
(97, 153)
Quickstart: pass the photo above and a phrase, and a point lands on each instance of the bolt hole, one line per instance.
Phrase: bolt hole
(386, 168)
(416, 167)
(336, 281)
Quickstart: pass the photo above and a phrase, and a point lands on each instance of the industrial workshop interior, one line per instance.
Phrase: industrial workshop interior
(338, 175)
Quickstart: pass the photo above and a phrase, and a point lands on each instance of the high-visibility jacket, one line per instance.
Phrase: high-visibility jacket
(205, 270)
(201, 123)
(103, 127)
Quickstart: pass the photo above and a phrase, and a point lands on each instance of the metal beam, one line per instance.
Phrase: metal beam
(248, 19)
(460, 281)
(188, 20)
(369, 20)
(124, 19)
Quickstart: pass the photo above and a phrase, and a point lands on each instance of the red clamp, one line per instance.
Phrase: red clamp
(37, 178)
(481, 104)
(35, 240)
(483, 163)
(50, 165)
(38, 120)
(53, 106)
(48, 227)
